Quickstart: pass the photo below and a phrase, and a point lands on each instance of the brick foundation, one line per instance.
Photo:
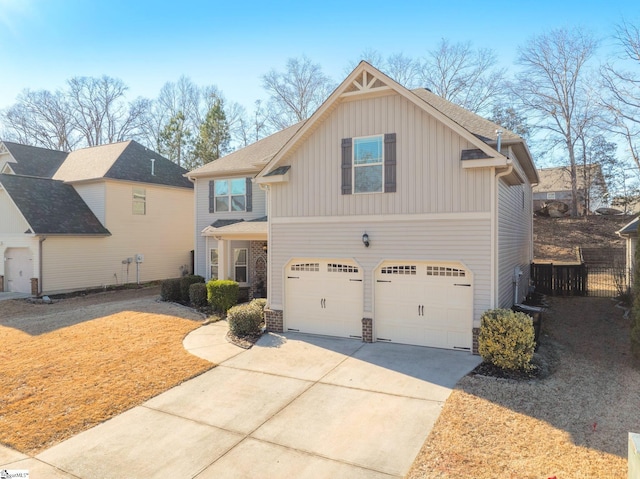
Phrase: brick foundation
(274, 320)
(367, 330)
(34, 287)
(1, 283)
(476, 333)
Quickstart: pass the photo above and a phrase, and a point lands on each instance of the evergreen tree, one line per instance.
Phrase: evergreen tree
(174, 140)
(214, 137)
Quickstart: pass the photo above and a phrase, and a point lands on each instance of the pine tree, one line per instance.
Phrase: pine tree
(214, 137)
(174, 140)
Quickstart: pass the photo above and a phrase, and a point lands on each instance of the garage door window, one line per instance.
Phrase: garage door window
(400, 269)
(442, 271)
(305, 267)
(341, 268)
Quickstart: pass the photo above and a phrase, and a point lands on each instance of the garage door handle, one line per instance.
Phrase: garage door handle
(459, 284)
(293, 277)
(355, 280)
(382, 281)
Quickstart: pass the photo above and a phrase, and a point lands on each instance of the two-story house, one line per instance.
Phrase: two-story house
(91, 218)
(388, 215)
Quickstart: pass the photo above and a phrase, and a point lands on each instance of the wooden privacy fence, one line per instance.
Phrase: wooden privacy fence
(562, 279)
(580, 280)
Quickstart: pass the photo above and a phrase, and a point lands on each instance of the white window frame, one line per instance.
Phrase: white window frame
(139, 201)
(211, 263)
(551, 195)
(354, 166)
(229, 195)
(237, 265)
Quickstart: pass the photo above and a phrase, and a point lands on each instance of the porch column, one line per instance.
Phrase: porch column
(223, 253)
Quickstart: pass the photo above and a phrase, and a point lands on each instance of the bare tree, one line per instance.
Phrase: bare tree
(551, 86)
(462, 75)
(295, 93)
(100, 112)
(621, 90)
(41, 118)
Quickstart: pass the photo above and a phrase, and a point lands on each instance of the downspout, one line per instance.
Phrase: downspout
(494, 230)
(267, 189)
(41, 240)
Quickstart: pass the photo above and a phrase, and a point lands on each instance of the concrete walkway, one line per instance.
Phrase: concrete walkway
(292, 406)
(7, 295)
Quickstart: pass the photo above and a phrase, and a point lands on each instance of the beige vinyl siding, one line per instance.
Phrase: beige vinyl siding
(204, 218)
(93, 195)
(466, 240)
(11, 220)
(515, 238)
(429, 176)
(163, 235)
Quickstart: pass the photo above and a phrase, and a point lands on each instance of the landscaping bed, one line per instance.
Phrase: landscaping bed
(74, 363)
(573, 423)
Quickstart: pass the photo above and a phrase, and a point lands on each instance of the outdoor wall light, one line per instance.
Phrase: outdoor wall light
(365, 240)
(264, 248)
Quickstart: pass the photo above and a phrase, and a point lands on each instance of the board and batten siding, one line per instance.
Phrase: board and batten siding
(11, 220)
(515, 236)
(429, 176)
(163, 236)
(465, 239)
(93, 195)
(204, 218)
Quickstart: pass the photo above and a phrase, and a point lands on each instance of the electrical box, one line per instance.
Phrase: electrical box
(139, 258)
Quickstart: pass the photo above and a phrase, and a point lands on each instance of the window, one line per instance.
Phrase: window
(139, 201)
(368, 163)
(230, 195)
(214, 263)
(551, 195)
(240, 264)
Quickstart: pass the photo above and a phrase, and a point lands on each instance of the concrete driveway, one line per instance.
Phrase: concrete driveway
(292, 406)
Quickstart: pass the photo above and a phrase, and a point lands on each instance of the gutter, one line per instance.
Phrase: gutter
(494, 230)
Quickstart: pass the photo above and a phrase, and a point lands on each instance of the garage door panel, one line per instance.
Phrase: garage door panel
(324, 297)
(424, 304)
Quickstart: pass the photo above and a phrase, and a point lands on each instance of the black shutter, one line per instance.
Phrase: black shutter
(347, 148)
(390, 163)
(212, 197)
(249, 193)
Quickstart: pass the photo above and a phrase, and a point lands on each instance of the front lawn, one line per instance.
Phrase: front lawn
(66, 369)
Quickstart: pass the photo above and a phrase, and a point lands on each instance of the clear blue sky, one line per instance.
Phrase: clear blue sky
(232, 43)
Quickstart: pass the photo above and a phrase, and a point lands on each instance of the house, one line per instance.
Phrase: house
(388, 215)
(555, 185)
(91, 218)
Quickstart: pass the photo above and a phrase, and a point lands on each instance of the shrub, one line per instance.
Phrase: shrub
(222, 294)
(186, 282)
(170, 290)
(245, 319)
(259, 303)
(506, 339)
(198, 295)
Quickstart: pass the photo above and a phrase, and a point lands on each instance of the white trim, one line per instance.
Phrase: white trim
(364, 165)
(481, 215)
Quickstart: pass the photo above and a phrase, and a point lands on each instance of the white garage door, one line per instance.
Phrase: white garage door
(18, 270)
(424, 304)
(324, 297)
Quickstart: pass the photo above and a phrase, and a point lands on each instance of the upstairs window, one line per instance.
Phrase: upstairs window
(368, 160)
(139, 201)
(232, 194)
(369, 164)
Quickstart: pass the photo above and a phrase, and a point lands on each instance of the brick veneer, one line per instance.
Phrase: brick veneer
(476, 333)
(274, 320)
(257, 251)
(34, 286)
(1, 283)
(367, 330)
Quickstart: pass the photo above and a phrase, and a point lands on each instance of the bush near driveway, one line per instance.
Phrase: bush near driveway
(506, 339)
(222, 294)
(246, 319)
(185, 284)
(198, 295)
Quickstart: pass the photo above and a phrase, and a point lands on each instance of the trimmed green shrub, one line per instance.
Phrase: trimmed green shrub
(635, 310)
(245, 319)
(222, 294)
(198, 295)
(506, 339)
(170, 290)
(186, 282)
(259, 303)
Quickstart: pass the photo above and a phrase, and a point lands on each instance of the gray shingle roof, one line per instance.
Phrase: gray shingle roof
(252, 157)
(51, 207)
(127, 160)
(34, 161)
(630, 228)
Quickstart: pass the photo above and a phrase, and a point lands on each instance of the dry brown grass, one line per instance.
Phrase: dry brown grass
(83, 361)
(573, 424)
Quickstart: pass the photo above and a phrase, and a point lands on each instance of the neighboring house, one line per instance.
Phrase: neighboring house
(555, 185)
(630, 233)
(95, 217)
(393, 215)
